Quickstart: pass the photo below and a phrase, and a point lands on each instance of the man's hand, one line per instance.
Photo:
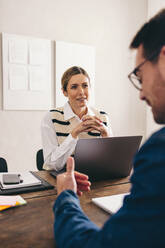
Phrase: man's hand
(82, 182)
(68, 180)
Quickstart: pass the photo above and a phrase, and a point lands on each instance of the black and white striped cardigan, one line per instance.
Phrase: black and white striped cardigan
(64, 127)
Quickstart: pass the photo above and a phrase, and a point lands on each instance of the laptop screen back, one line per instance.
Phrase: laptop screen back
(105, 158)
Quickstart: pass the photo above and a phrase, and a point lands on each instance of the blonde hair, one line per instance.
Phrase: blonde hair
(71, 72)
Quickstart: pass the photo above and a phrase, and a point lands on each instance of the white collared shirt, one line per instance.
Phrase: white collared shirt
(55, 156)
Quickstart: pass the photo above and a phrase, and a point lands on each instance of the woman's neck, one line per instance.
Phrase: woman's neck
(80, 112)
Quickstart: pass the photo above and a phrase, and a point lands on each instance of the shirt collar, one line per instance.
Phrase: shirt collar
(68, 112)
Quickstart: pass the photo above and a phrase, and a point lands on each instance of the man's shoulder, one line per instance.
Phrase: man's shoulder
(149, 162)
(152, 150)
(157, 137)
(159, 134)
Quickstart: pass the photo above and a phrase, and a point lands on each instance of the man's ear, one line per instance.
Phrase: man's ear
(161, 61)
(65, 92)
(162, 52)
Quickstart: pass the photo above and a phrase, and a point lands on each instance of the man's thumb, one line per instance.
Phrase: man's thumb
(70, 165)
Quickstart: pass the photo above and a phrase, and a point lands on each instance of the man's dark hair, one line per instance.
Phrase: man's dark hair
(151, 36)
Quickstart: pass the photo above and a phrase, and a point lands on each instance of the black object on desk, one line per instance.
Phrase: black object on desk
(43, 186)
(11, 178)
(55, 173)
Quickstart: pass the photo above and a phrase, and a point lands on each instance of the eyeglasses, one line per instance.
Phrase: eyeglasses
(133, 76)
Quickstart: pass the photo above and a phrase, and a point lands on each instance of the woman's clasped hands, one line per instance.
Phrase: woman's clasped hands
(90, 123)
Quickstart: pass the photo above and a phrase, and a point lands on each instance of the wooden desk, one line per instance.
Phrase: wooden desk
(31, 226)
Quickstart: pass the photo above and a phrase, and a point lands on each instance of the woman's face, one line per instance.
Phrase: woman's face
(78, 91)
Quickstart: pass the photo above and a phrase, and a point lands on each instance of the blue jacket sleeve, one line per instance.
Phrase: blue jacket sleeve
(71, 226)
(139, 222)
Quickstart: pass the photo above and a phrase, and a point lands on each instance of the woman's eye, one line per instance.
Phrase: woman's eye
(73, 86)
(85, 85)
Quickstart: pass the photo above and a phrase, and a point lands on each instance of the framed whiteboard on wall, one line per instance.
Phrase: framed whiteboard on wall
(27, 78)
(73, 54)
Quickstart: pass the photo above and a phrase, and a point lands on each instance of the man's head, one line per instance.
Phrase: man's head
(150, 64)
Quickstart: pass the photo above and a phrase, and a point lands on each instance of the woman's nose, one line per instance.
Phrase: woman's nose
(81, 90)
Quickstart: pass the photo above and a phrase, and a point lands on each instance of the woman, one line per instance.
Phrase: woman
(62, 127)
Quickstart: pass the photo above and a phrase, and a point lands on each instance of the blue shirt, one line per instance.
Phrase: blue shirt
(141, 220)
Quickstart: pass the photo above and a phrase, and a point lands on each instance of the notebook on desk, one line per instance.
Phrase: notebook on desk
(110, 204)
(27, 180)
(44, 185)
(106, 158)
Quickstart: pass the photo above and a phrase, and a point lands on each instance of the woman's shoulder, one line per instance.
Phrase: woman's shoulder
(57, 113)
(98, 111)
(57, 110)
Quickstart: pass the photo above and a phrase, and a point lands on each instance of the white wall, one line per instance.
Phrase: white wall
(108, 25)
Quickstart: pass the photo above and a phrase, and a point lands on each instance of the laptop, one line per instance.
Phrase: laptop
(106, 158)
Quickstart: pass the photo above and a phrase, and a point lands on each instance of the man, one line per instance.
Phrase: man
(141, 220)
